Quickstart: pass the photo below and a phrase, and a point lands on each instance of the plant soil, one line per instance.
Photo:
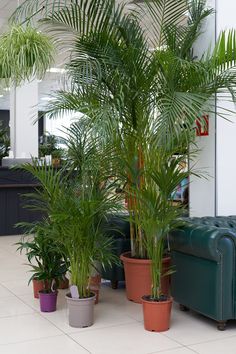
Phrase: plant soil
(152, 299)
(46, 291)
(86, 297)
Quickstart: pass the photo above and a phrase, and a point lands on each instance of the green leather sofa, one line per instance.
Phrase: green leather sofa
(204, 258)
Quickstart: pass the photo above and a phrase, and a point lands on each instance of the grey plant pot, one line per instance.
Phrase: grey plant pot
(81, 311)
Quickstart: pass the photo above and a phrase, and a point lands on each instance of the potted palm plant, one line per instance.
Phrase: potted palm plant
(79, 219)
(48, 263)
(157, 216)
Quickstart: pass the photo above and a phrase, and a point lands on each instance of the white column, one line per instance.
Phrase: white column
(23, 114)
(202, 190)
(217, 195)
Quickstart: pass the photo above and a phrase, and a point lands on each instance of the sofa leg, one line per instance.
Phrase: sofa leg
(221, 325)
(183, 308)
(114, 284)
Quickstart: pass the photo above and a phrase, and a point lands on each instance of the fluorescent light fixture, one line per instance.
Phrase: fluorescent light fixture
(7, 89)
(56, 70)
(46, 98)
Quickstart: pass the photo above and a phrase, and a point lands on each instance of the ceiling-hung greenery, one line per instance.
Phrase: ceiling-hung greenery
(25, 53)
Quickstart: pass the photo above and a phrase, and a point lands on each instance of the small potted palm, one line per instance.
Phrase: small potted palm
(157, 216)
(48, 263)
(78, 214)
(57, 155)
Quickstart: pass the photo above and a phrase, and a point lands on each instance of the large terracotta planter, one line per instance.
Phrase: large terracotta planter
(138, 277)
(156, 315)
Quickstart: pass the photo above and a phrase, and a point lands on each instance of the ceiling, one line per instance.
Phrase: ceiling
(6, 9)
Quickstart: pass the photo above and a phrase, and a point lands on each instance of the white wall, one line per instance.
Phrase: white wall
(202, 190)
(218, 194)
(59, 125)
(226, 131)
(23, 113)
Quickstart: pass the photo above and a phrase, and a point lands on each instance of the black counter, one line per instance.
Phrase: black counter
(13, 184)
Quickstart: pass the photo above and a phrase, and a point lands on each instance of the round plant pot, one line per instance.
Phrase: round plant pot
(48, 301)
(64, 283)
(56, 162)
(138, 277)
(156, 314)
(37, 286)
(81, 311)
(94, 286)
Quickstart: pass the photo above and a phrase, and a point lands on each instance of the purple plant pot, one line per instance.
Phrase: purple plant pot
(48, 301)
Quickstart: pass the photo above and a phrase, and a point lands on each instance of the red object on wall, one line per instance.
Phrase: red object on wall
(202, 125)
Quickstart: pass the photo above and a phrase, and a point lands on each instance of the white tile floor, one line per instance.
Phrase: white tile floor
(118, 327)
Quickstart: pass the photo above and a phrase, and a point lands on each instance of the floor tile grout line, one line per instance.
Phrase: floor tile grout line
(194, 351)
(196, 343)
(176, 341)
(17, 315)
(165, 350)
(97, 329)
(31, 340)
(78, 343)
(212, 340)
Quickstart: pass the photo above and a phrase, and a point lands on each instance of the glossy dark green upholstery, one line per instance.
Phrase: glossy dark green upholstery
(203, 253)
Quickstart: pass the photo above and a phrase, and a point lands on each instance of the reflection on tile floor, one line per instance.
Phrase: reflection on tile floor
(118, 327)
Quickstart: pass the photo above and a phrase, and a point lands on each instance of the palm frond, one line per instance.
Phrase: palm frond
(156, 15)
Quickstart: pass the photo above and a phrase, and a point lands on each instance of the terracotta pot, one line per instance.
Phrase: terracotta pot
(56, 162)
(37, 286)
(81, 311)
(156, 315)
(64, 283)
(94, 286)
(138, 277)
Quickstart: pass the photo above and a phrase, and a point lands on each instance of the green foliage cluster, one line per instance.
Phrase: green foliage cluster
(48, 262)
(48, 146)
(4, 141)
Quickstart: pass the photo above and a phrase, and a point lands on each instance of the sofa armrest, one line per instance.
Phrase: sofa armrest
(201, 240)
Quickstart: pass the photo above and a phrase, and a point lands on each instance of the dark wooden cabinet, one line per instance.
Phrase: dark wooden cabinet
(13, 184)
